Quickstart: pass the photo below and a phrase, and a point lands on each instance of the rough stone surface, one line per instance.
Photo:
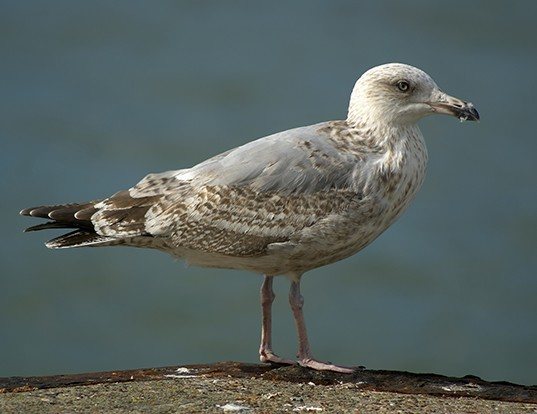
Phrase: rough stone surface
(250, 388)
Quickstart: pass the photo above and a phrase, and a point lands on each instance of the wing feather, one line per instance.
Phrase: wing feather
(240, 201)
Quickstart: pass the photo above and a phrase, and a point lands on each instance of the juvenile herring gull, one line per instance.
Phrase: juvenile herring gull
(283, 204)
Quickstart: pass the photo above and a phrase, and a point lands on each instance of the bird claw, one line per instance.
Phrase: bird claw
(269, 356)
(324, 366)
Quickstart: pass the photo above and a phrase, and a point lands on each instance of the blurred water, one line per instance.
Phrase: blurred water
(97, 94)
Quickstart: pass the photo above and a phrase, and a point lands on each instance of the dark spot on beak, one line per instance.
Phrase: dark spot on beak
(465, 111)
(473, 113)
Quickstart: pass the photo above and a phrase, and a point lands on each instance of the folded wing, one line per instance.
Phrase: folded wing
(236, 203)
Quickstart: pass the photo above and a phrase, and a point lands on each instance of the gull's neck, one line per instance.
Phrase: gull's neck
(379, 133)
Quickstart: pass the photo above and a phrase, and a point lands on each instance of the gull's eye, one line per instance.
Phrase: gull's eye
(403, 86)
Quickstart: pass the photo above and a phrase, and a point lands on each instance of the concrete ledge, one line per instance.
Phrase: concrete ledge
(241, 387)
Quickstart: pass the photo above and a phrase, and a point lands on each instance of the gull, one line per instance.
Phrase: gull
(282, 204)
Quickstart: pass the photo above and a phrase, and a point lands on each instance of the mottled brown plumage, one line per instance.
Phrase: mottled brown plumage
(283, 204)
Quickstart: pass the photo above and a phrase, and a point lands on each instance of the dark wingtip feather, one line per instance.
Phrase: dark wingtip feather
(38, 211)
(26, 211)
(43, 211)
(59, 209)
(62, 214)
(85, 214)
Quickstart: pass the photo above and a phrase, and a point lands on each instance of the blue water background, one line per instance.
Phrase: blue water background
(94, 95)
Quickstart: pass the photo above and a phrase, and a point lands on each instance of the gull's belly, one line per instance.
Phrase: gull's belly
(336, 237)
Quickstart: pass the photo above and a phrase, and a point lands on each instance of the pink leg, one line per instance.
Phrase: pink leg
(265, 349)
(305, 358)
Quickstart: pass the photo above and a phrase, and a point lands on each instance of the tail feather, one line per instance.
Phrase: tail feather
(80, 238)
(50, 225)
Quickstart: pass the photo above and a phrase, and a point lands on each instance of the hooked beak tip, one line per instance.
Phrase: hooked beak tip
(465, 111)
(474, 113)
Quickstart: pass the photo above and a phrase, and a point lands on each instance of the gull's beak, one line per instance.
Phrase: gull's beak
(449, 105)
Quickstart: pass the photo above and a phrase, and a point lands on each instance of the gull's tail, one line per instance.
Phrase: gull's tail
(69, 216)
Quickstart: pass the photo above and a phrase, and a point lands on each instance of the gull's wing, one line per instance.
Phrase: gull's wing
(238, 202)
(298, 161)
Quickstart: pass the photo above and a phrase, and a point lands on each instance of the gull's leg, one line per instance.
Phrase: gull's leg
(305, 358)
(265, 349)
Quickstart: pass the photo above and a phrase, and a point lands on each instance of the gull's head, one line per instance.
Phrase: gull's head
(399, 94)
